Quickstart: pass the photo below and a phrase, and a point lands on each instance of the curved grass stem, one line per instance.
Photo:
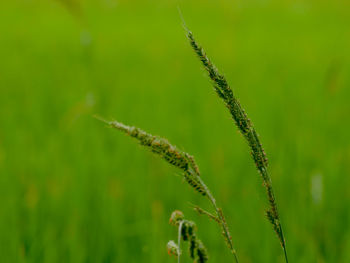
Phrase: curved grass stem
(179, 241)
(221, 218)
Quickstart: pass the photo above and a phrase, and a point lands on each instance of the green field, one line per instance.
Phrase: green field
(73, 190)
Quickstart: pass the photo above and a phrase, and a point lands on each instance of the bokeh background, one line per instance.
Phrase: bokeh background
(73, 190)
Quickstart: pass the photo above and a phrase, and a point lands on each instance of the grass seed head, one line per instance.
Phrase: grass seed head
(176, 217)
(246, 128)
(173, 248)
(165, 150)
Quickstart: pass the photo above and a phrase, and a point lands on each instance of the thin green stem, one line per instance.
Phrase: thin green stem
(179, 241)
(284, 246)
(219, 214)
(271, 197)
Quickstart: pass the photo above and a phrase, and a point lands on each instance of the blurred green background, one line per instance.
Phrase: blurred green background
(72, 190)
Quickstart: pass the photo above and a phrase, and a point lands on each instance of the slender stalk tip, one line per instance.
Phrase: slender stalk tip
(98, 117)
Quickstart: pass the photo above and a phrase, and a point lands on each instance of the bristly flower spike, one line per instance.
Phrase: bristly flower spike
(165, 150)
(245, 126)
(183, 161)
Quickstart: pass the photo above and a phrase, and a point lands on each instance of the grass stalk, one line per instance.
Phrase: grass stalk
(248, 131)
(179, 241)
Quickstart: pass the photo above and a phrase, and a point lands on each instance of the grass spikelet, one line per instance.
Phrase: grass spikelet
(201, 211)
(246, 128)
(173, 248)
